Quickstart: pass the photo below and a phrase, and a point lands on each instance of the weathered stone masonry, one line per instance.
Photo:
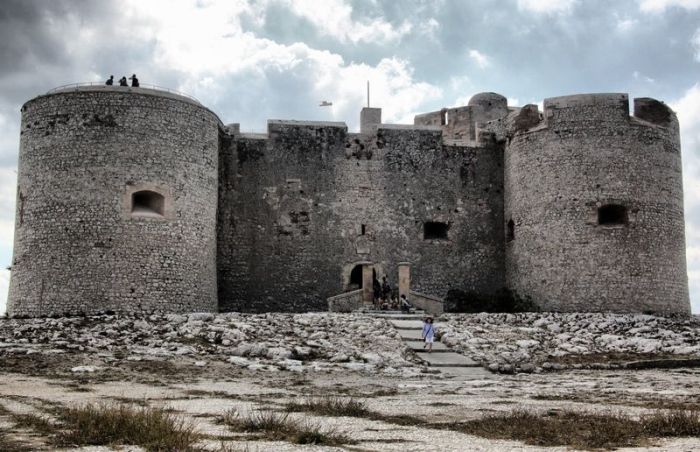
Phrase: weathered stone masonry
(78, 248)
(134, 199)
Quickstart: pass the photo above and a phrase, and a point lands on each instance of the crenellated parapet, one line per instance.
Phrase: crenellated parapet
(587, 111)
(462, 124)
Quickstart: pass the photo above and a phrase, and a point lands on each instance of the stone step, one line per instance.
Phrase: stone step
(417, 346)
(393, 311)
(399, 316)
(401, 324)
(406, 324)
(467, 373)
(410, 335)
(379, 312)
(446, 359)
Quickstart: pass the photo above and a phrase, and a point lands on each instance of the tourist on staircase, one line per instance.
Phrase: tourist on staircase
(377, 289)
(428, 333)
(405, 305)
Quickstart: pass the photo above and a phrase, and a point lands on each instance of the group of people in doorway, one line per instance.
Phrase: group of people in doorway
(124, 81)
(386, 297)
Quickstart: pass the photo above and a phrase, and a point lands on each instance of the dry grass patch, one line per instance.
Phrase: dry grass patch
(35, 422)
(154, 429)
(336, 406)
(672, 423)
(604, 398)
(275, 426)
(385, 392)
(209, 394)
(582, 430)
(330, 406)
(7, 444)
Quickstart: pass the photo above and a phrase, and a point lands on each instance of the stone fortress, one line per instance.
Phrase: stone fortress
(135, 199)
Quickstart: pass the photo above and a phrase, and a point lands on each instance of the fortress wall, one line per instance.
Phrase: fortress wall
(433, 118)
(457, 185)
(310, 202)
(78, 248)
(589, 154)
(277, 250)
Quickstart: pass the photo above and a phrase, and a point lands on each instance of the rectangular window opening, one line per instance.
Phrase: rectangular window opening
(612, 215)
(435, 230)
(363, 229)
(510, 231)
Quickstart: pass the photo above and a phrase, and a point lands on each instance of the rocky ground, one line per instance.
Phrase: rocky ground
(325, 342)
(266, 342)
(535, 342)
(202, 365)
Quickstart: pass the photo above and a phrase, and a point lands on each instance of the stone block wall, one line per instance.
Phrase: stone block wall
(588, 154)
(474, 198)
(78, 247)
(301, 208)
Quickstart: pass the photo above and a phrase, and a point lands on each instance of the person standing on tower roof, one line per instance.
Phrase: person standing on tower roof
(123, 82)
(134, 81)
(110, 81)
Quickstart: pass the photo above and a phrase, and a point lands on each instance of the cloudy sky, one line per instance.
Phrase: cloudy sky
(250, 61)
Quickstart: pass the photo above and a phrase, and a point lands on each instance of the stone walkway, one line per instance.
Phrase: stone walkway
(410, 327)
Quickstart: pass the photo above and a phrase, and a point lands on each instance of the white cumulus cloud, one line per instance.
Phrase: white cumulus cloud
(334, 18)
(688, 110)
(695, 41)
(8, 182)
(547, 6)
(209, 45)
(480, 59)
(627, 24)
(4, 287)
(653, 6)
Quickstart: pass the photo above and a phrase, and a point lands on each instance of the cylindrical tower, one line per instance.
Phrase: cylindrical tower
(594, 207)
(116, 203)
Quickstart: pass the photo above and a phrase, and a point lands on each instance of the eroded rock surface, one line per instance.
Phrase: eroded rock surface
(528, 342)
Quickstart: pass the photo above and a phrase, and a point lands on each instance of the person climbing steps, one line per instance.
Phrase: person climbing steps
(428, 333)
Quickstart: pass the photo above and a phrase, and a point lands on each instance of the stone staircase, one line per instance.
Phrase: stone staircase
(410, 326)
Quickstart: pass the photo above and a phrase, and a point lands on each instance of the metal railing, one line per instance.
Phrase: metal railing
(141, 85)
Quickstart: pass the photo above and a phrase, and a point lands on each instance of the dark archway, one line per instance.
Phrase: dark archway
(356, 277)
(355, 281)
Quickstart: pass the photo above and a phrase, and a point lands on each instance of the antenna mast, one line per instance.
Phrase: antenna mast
(367, 93)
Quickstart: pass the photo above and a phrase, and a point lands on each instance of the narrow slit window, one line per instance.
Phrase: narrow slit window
(363, 229)
(147, 203)
(612, 215)
(510, 231)
(435, 230)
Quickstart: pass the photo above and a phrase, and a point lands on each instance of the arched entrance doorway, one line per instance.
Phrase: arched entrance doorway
(356, 278)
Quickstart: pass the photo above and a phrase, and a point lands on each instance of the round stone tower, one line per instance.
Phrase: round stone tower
(116, 206)
(488, 106)
(594, 207)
